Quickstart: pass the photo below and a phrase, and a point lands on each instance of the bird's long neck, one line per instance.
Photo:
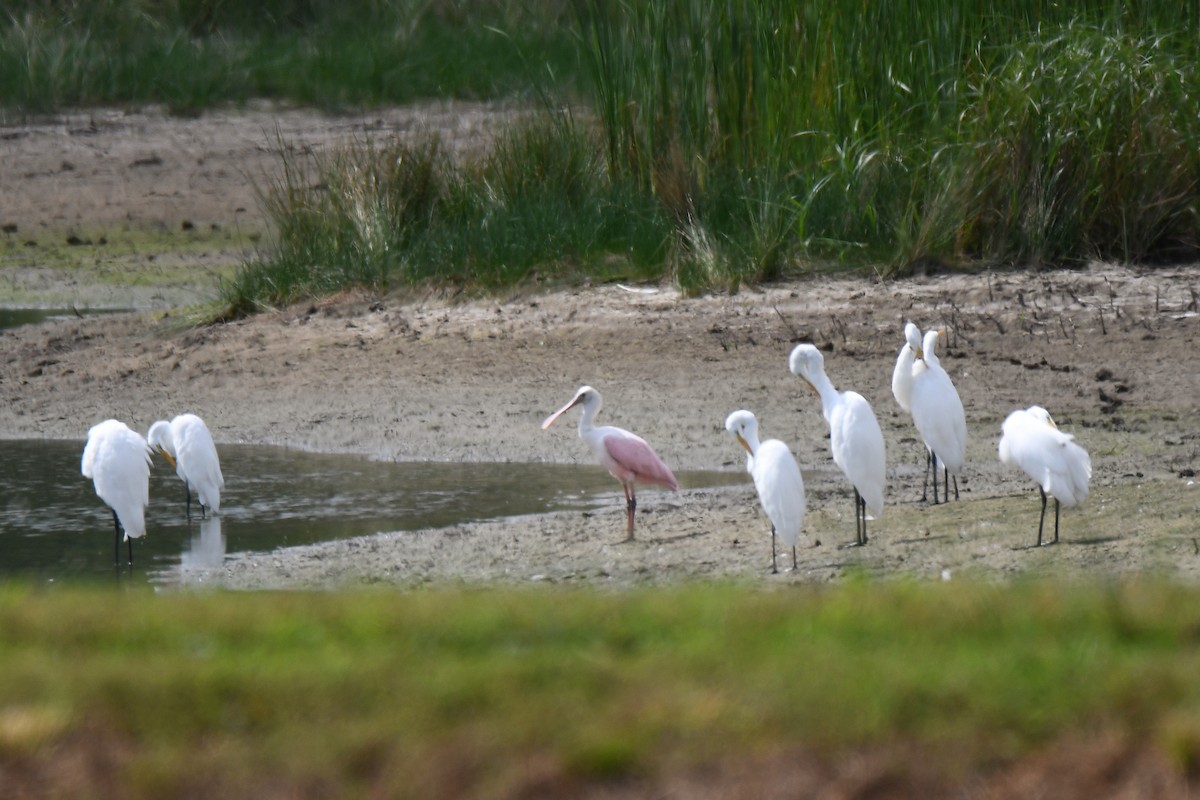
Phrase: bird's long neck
(752, 442)
(829, 395)
(587, 419)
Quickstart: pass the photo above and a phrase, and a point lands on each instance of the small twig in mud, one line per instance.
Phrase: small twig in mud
(1103, 329)
(794, 335)
(991, 297)
(1193, 305)
(999, 325)
(841, 329)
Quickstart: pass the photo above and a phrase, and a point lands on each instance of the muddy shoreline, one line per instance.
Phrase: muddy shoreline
(1109, 350)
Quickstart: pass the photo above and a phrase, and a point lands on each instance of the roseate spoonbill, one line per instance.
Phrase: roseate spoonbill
(854, 436)
(117, 460)
(626, 456)
(776, 478)
(1061, 468)
(938, 414)
(185, 442)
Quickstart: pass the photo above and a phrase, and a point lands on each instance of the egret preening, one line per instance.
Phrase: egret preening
(1061, 468)
(902, 383)
(187, 445)
(776, 478)
(854, 436)
(937, 411)
(117, 460)
(626, 456)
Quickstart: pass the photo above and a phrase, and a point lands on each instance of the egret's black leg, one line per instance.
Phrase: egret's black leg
(862, 504)
(935, 493)
(774, 569)
(116, 539)
(955, 488)
(1041, 519)
(925, 482)
(187, 498)
(130, 543)
(1056, 520)
(795, 566)
(857, 523)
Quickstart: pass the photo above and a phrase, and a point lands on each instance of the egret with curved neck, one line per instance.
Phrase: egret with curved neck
(855, 438)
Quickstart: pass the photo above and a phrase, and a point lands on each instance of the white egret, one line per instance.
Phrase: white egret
(117, 460)
(902, 374)
(937, 412)
(902, 384)
(625, 455)
(186, 443)
(776, 478)
(854, 436)
(1061, 468)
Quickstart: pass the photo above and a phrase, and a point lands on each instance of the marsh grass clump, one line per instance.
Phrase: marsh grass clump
(1082, 143)
(718, 145)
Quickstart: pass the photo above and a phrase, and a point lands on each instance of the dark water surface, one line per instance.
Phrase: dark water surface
(53, 527)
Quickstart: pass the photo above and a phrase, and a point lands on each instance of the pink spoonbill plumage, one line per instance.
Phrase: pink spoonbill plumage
(625, 455)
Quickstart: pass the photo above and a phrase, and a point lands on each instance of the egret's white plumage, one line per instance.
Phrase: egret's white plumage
(855, 438)
(902, 374)
(937, 411)
(188, 445)
(1059, 466)
(776, 478)
(625, 455)
(117, 459)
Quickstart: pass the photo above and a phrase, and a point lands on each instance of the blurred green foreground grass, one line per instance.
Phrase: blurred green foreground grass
(465, 692)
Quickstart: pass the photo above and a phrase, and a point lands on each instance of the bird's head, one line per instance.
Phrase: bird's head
(158, 438)
(744, 427)
(912, 335)
(807, 362)
(1043, 415)
(586, 396)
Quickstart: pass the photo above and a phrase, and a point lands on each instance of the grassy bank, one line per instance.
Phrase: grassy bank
(498, 693)
(708, 144)
(193, 54)
(736, 144)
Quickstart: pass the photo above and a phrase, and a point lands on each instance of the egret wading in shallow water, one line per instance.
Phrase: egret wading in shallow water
(626, 456)
(776, 478)
(117, 460)
(185, 442)
(1061, 468)
(902, 384)
(937, 411)
(854, 436)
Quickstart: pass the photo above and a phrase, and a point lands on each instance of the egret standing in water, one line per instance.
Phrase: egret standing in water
(937, 412)
(1061, 468)
(776, 478)
(854, 436)
(117, 460)
(626, 456)
(185, 442)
